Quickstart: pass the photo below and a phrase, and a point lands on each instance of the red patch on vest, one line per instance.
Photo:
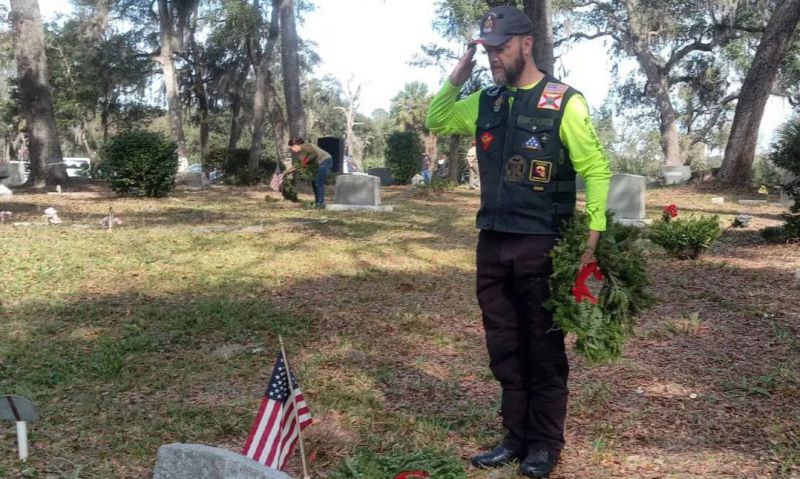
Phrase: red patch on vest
(486, 140)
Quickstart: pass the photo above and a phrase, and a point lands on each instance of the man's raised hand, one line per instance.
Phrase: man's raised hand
(464, 67)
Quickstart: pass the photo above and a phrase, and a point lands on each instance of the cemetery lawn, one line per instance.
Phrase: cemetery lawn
(165, 330)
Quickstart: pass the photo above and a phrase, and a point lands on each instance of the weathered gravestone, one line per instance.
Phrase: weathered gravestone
(384, 174)
(676, 175)
(626, 196)
(21, 411)
(357, 192)
(14, 173)
(195, 461)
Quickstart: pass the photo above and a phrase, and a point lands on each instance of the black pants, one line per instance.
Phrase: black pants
(526, 355)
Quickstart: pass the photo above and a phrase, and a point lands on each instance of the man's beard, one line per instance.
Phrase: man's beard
(510, 75)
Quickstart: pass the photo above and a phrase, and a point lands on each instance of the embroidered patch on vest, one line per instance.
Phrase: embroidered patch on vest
(498, 103)
(486, 140)
(493, 91)
(544, 138)
(533, 143)
(550, 101)
(556, 88)
(540, 171)
(515, 168)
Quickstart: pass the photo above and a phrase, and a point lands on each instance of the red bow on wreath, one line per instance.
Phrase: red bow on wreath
(412, 475)
(579, 290)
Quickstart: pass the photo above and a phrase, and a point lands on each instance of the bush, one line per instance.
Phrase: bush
(782, 234)
(233, 164)
(403, 153)
(140, 162)
(685, 239)
(786, 154)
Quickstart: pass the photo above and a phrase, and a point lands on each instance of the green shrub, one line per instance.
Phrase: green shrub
(140, 162)
(233, 164)
(685, 238)
(790, 231)
(766, 173)
(403, 153)
(786, 154)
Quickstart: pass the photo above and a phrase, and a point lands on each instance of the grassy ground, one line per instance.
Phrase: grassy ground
(165, 329)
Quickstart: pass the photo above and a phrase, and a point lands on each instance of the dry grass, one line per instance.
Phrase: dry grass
(153, 333)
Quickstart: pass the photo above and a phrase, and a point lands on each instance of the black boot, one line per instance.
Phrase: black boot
(499, 456)
(539, 463)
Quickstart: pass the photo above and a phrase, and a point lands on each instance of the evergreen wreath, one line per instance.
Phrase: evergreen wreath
(601, 328)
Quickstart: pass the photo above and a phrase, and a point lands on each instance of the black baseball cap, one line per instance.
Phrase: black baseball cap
(501, 23)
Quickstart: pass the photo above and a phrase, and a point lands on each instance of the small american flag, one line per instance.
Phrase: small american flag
(275, 430)
(276, 183)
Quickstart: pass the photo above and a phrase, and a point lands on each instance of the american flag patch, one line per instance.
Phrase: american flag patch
(555, 88)
(533, 143)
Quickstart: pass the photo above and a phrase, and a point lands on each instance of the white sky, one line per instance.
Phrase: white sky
(372, 41)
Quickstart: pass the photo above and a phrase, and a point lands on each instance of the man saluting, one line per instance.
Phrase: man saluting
(533, 133)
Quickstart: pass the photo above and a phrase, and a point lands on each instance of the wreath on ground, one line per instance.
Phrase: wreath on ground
(601, 328)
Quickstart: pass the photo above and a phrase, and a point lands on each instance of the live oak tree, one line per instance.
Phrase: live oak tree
(46, 161)
(775, 42)
(668, 39)
(173, 16)
(290, 61)
(265, 97)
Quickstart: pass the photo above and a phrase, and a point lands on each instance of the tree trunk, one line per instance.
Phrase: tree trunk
(657, 84)
(290, 61)
(47, 167)
(167, 40)
(202, 103)
(260, 96)
(741, 148)
(236, 105)
(280, 130)
(541, 13)
(668, 126)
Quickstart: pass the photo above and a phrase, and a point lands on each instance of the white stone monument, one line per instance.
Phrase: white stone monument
(15, 174)
(626, 198)
(195, 461)
(357, 192)
(676, 175)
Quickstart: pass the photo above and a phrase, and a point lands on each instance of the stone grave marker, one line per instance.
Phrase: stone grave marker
(676, 175)
(21, 411)
(357, 192)
(195, 461)
(14, 174)
(626, 196)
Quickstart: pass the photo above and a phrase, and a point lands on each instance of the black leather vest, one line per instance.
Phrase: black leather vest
(527, 178)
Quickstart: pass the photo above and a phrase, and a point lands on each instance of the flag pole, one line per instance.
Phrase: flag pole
(296, 412)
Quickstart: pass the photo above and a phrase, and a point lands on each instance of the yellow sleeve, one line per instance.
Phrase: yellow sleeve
(451, 117)
(579, 136)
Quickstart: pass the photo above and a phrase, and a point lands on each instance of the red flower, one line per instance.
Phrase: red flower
(412, 475)
(670, 211)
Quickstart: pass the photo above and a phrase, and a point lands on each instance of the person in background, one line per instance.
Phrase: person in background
(533, 133)
(472, 163)
(426, 168)
(310, 155)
